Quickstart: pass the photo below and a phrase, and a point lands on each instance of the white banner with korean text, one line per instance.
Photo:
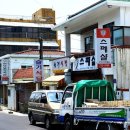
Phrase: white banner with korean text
(59, 65)
(84, 63)
(102, 47)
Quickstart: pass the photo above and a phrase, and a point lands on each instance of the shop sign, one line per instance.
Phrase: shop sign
(102, 48)
(5, 71)
(38, 70)
(84, 63)
(59, 65)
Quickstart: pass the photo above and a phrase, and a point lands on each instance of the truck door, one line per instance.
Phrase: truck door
(66, 103)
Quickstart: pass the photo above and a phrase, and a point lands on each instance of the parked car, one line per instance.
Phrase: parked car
(43, 106)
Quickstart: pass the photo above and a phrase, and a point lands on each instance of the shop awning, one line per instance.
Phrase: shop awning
(22, 82)
(53, 80)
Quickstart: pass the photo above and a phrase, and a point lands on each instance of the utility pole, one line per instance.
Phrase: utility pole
(41, 56)
(41, 49)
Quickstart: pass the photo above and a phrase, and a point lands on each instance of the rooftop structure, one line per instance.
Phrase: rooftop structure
(22, 33)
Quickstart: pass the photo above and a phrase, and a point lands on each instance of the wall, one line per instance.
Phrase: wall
(16, 63)
(11, 98)
(122, 62)
(108, 18)
(125, 15)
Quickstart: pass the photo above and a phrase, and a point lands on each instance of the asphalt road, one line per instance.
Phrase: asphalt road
(17, 122)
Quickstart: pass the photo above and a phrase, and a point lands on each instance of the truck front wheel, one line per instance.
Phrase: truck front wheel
(68, 124)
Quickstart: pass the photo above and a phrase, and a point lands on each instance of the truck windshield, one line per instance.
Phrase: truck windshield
(55, 96)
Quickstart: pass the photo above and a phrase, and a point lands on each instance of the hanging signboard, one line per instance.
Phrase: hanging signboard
(102, 48)
(5, 71)
(38, 71)
(59, 65)
(84, 63)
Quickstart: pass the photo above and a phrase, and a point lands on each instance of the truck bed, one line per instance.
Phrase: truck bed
(109, 114)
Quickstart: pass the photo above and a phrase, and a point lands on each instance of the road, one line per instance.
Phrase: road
(17, 121)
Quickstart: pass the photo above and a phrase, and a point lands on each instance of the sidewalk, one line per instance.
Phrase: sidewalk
(2, 107)
(5, 110)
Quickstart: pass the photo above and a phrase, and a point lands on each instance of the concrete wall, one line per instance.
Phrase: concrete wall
(11, 98)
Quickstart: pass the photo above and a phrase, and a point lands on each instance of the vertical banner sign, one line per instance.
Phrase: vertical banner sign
(5, 71)
(102, 48)
(38, 71)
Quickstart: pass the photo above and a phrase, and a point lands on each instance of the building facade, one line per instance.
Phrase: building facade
(112, 14)
(18, 33)
(11, 63)
(21, 33)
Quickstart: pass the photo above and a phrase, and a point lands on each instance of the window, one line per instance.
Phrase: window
(25, 66)
(126, 36)
(110, 25)
(88, 43)
(43, 98)
(118, 36)
(37, 97)
(54, 96)
(67, 93)
(16, 48)
(26, 32)
(31, 99)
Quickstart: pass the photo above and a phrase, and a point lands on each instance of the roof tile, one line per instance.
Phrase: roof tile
(23, 73)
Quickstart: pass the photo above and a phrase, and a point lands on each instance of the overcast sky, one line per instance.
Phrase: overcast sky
(63, 8)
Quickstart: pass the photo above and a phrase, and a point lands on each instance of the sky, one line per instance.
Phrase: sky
(63, 8)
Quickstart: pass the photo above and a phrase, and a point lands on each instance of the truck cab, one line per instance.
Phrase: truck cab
(93, 103)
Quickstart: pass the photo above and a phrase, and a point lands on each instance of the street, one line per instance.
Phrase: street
(17, 122)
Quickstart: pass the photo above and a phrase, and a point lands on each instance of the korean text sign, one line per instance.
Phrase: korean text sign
(84, 63)
(5, 71)
(38, 70)
(62, 64)
(102, 48)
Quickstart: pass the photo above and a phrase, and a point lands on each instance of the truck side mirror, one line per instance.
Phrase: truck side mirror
(63, 100)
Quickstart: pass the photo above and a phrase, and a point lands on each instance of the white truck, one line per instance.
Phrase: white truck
(91, 104)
